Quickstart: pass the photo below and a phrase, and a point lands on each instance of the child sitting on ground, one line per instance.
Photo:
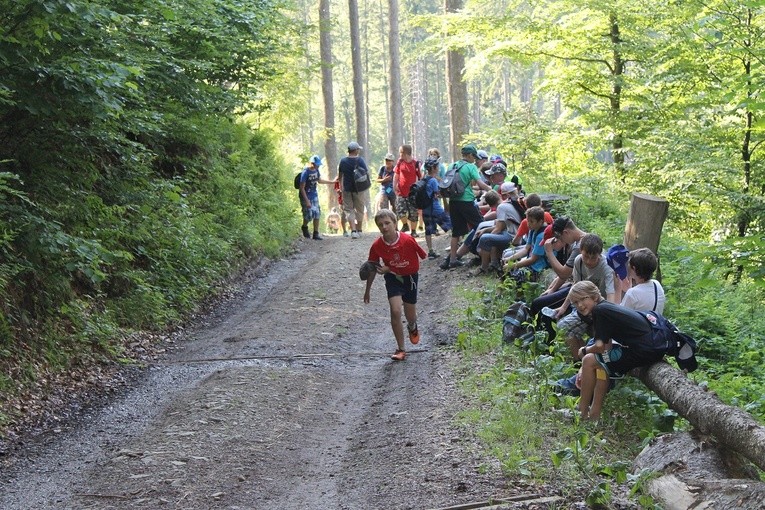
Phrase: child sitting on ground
(526, 263)
(396, 256)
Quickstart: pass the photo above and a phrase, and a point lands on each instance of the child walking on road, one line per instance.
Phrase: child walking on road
(396, 256)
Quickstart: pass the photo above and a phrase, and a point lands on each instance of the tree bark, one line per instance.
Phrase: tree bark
(645, 222)
(732, 427)
(419, 109)
(325, 50)
(457, 93)
(358, 79)
(396, 101)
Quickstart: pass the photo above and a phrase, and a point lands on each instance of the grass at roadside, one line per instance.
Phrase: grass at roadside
(533, 431)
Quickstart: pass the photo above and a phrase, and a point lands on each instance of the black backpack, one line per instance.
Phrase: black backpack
(418, 193)
(297, 180)
(669, 340)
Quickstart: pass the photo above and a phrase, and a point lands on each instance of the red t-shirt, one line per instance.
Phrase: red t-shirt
(523, 228)
(408, 174)
(403, 256)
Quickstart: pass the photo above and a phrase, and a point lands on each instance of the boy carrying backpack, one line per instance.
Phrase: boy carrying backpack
(427, 198)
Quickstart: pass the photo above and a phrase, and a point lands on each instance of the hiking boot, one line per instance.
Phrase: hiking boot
(432, 255)
(445, 263)
(317, 236)
(306, 233)
(354, 235)
(414, 335)
(399, 355)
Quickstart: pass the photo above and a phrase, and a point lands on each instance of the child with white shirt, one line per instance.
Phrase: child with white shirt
(645, 293)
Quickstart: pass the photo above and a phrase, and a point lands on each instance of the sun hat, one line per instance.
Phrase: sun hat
(316, 160)
(390, 157)
(354, 146)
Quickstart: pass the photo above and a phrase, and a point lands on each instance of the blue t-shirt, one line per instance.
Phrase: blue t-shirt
(435, 209)
(534, 239)
(310, 177)
(386, 188)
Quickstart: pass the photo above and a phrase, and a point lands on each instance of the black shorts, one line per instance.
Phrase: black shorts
(404, 286)
(464, 215)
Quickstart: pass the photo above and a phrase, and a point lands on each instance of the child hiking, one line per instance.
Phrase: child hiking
(396, 256)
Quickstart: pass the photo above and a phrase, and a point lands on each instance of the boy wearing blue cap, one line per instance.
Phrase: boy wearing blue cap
(309, 196)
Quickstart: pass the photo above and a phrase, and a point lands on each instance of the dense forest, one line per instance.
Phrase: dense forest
(148, 146)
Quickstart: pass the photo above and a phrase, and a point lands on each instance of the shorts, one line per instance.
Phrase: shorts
(405, 209)
(464, 215)
(573, 326)
(313, 212)
(431, 220)
(404, 286)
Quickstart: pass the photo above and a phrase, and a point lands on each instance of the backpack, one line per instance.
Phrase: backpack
(418, 193)
(669, 340)
(361, 181)
(516, 324)
(297, 179)
(452, 185)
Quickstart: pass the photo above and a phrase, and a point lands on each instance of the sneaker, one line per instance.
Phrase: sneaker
(354, 235)
(456, 263)
(415, 234)
(432, 255)
(317, 236)
(399, 355)
(346, 234)
(445, 263)
(306, 233)
(414, 335)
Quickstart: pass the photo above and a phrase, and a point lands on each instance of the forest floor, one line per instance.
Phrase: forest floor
(283, 396)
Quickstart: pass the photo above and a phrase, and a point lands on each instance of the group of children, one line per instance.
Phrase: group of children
(592, 300)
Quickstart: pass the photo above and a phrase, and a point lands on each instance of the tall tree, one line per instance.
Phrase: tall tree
(358, 79)
(456, 90)
(394, 79)
(325, 43)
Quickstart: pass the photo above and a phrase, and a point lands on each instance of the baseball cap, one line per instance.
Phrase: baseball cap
(390, 157)
(470, 149)
(496, 158)
(316, 160)
(431, 162)
(507, 187)
(559, 224)
(353, 146)
(497, 168)
(616, 257)
(482, 154)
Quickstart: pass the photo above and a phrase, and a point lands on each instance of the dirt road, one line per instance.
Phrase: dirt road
(285, 398)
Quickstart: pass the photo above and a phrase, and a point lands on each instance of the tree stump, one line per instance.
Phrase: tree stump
(645, 222)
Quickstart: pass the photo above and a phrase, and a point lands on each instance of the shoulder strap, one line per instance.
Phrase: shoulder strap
(655, 296)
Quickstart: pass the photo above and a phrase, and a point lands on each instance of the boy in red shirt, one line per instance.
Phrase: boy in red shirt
(396, 256)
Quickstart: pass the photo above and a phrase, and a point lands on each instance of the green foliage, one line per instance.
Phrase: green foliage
(129, 187)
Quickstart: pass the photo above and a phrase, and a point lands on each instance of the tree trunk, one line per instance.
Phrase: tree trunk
(325, 50)
(457, 93)
(419, 109)
(645, 222)
(732, 427)
(358, 80)
(386, 84)
(617, 70)
(396, 101)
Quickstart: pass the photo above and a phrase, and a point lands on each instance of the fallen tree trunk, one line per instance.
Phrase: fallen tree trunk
(731, 427)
